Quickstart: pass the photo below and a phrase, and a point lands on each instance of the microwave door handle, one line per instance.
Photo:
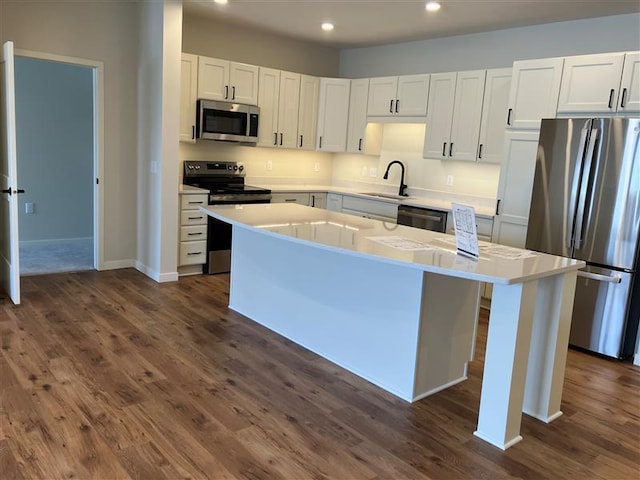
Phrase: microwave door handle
(574, 191)
(585, 189)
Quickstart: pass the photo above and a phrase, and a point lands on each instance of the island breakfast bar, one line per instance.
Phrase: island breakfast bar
(397, 306)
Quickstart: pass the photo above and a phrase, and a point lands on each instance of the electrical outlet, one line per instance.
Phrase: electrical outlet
(28, 207)
(269, 165)
(449, 180)
(373, 172)
(316, 167)
(365, 171)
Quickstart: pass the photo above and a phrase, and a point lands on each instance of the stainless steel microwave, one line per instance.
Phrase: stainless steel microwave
(227, 121)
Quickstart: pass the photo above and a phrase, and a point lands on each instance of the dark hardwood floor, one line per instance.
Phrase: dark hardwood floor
(109, 375)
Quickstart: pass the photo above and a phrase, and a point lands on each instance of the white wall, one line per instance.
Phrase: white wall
(494, 49)
(54, 120)
(106, 32)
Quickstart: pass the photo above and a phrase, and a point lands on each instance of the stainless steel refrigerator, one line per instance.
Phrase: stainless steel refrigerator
(586, 205)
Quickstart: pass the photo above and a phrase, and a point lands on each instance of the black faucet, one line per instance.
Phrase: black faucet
(403, 187)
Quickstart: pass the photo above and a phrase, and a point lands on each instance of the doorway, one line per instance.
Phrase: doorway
(58, 161)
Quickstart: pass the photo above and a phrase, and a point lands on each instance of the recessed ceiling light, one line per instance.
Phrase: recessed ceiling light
(221, 2)
(432, 6)
(327, 27)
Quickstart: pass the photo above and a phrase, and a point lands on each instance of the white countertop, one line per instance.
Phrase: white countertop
(190, 190)
(352, 235)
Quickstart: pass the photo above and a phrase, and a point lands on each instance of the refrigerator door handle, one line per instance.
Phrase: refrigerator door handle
(584, 190)
(574, 191)
(600, 278)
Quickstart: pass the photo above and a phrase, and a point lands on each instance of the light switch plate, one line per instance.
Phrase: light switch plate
(269, 165)
(373, 172)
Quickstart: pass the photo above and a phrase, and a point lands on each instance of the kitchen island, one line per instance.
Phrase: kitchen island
(397, 306)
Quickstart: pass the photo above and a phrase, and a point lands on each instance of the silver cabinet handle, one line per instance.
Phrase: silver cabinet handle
(600, 278)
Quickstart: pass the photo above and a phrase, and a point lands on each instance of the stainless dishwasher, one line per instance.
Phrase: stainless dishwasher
(425, 218)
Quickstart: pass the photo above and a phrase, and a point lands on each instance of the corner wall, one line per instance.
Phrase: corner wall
(494, 49)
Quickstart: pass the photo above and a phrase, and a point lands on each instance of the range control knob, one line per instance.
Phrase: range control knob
(197, 167)
(235, 167)
(229, 167)
(241, 167)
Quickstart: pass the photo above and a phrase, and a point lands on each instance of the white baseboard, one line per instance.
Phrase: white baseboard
(116, 264)
(55, 241)
(154, 275)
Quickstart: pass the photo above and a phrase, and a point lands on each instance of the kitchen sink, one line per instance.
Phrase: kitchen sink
(384, 195)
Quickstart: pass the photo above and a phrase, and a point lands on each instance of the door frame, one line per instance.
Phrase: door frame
(98, 142)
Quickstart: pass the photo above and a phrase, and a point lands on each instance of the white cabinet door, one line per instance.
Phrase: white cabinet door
(334, 202)
(188, 97)
(402, 96)
(213, 78)
(308, 113)
(515, 187)
(227, 81)
(268, 93)
(288, 109)
(411, 99)
(590, 83)
(243, 83)
(535, 86)
(333, 114)
(630, 86)
(492, 125)
(382, 96)
(357, 115)
(467, 113)
(439, 115)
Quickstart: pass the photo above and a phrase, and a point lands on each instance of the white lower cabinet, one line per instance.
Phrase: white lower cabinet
(515, 187)
(318, 199)
(375, 209)
(334, 202)
(192, 253)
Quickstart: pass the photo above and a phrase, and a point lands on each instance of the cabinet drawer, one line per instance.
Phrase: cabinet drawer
(375, 208)
(192, 233)
(192, 253)
(192, 202)
(192, 217)
(302, 198)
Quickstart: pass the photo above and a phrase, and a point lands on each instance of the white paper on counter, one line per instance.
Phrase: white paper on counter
(401, 243)
(464, 222)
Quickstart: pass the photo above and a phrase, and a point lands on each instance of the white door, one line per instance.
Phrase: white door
(269, 86)
(439, 116)
(413, 91)
(467, 113)
(630, 86)
(9, 258)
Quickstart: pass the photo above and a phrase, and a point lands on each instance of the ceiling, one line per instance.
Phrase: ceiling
(375, 22)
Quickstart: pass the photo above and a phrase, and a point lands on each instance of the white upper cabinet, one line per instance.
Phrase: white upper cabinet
(227, 81)
(535, 86)
(590, 83)
(630, 86)
(333, 114)
(278, 99)
(308, 113)
(454, 114)
(494, 106)
(362, 138)
(439, 115)
(467, 113)
(188, 97)
(398, 96)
